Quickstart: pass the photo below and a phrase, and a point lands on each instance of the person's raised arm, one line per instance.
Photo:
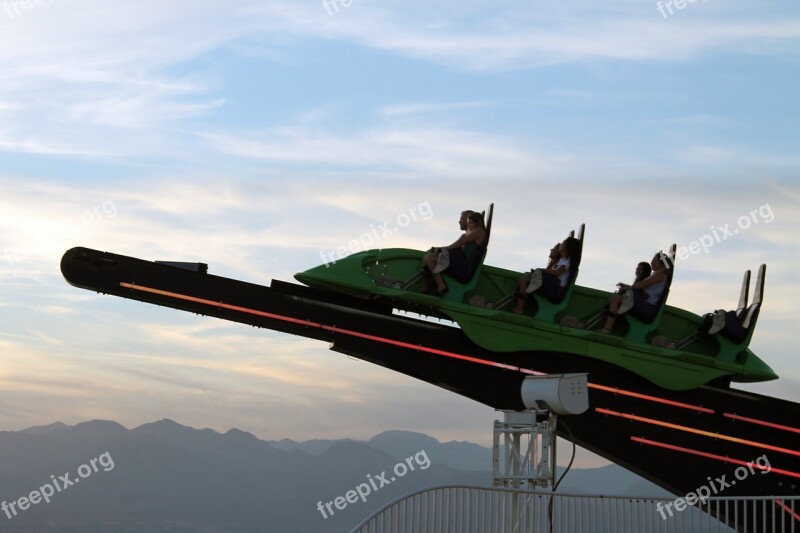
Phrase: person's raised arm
(656, 277)
(557, 271)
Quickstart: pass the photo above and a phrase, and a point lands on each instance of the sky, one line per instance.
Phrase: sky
(260, 136)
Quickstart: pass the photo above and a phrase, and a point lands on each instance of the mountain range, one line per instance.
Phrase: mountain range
(164, 476)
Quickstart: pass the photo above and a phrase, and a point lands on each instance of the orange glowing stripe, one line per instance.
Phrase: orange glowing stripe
(713, 456)
(217, 304)
(333, 329)
(698, 431)
(762, 422)
(788, 509)
(402, 344)
(651, 398)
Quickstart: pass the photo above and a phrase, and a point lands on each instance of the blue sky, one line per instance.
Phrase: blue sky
(253, 136)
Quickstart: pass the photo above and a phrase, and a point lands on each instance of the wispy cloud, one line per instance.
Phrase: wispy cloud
(92, 79)
(425, 107)
(419, 152)
(535, 35)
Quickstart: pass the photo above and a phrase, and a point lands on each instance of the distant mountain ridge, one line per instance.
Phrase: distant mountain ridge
(166, 476)
(465, 456)
(44, 430)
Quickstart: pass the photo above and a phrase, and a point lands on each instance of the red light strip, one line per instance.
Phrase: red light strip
(651, 398)
(788, 509)
(403, 344)
(713, 456)
(762, 422)
(698, 431)
(328, 328)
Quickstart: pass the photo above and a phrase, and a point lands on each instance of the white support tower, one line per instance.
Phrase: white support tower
(524, 451)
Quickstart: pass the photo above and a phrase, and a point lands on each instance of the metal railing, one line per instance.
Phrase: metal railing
(491, 510)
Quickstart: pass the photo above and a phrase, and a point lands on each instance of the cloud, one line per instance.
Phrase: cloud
(103, 81)
(480, 38)
(447, 153)
(425, 107)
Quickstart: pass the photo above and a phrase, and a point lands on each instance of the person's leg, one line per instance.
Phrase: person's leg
(428, 262)
(522, 284)
(613, 306)
(441, 286)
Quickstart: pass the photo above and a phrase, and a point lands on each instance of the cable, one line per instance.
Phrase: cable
(557, 483)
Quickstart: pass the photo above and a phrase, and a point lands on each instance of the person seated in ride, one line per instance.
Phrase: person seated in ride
(554, 278)
(462, 223)
(553, 258)
(643, 270)
(647, 291)
(465, 255)
(731, 325)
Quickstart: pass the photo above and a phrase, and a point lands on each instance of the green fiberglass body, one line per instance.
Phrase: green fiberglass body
(675, 349)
